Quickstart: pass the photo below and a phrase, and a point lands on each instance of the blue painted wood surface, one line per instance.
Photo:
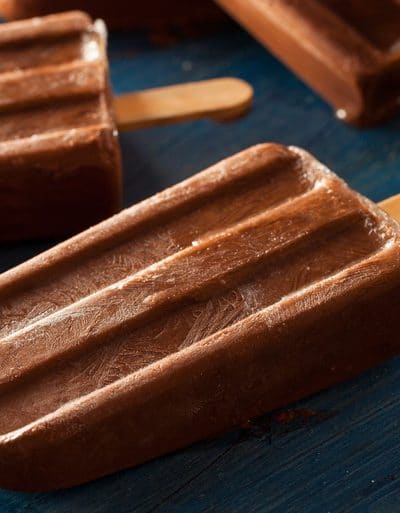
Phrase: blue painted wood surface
(336, 452)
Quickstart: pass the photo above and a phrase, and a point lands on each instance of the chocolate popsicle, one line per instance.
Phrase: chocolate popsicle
(252, 284)
(347, 50)
(60, 166)
(123, 13)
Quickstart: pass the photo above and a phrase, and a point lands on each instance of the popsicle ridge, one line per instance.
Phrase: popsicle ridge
(154, 290)
(49, 27)
(72, 73)
(190, 312)
(348, 51)
(58, 140)
(254, 325)
(166, 306)
(42, 85)
(150, 231)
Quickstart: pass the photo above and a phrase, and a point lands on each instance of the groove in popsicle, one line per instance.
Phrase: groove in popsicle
(149, 232)
(31, 87)
(323, 253)
(140, 298)
(33, 54)
(56, 117)
(47, 27)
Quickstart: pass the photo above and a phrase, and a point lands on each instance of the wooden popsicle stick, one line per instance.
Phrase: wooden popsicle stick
(220, 99)
(392, 206)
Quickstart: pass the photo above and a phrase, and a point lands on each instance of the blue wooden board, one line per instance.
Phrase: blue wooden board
(336, 452)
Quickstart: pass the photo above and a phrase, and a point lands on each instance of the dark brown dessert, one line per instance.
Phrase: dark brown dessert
(256, 282)
(59, 153)
(347, 50)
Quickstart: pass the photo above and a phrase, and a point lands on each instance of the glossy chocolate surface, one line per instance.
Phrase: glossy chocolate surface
(252, 284)
(59, 154)
(348, 51)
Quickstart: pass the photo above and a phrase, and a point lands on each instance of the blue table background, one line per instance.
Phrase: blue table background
(335, 452)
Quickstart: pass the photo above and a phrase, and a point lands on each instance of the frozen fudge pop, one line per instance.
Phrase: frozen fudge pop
(347, 50)
(59, 154)
(252, 284)
(60, 166)
(122, 13)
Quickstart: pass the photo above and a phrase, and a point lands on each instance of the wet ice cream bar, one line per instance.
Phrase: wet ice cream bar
(348, 51)
(60, 166)
(252, 284)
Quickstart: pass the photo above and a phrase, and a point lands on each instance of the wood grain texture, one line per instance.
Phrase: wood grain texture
(336, 452)
(218, 99)
(392, 206)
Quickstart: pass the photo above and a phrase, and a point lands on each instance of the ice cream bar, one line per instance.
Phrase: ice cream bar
(59, 152)
(348, 51)
(120, 13)
(252, 284)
